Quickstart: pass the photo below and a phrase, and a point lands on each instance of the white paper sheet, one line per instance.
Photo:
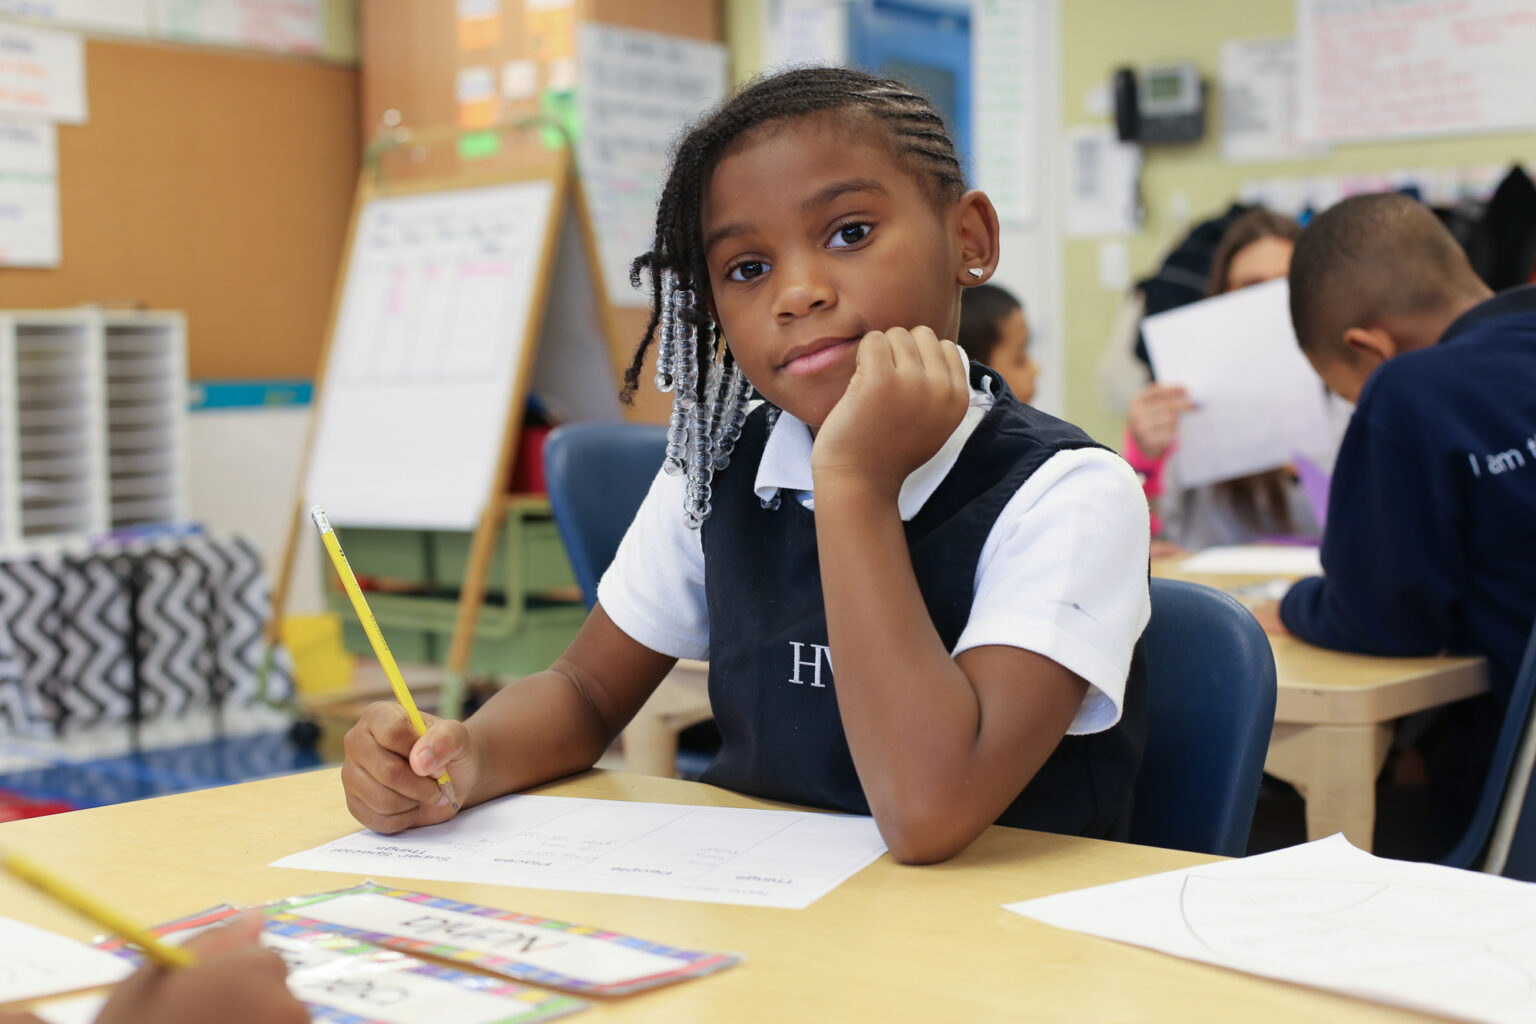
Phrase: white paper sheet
(42, 74)
(1255, 560)
(35, 963)
(1102, 176)
(130, 17)
(287, 26)
(1258, 102)
(638, 90)
(29, 194)
(1430, 938)
(708, 854)
(1006, 43)
(1260, 402)
(79, 1010)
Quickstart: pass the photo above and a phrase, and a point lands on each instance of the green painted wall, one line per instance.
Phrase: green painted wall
(1099, 35)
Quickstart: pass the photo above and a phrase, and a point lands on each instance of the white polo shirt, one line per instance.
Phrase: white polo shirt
(1063, 571)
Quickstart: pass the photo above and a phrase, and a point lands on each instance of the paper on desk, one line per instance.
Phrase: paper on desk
(79, 1010)
(1255, 560)
(35, 963)
(709, 854)
(1260, 402)
(1429, 938)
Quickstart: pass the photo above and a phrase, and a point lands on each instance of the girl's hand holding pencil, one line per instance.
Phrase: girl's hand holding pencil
(390, 772)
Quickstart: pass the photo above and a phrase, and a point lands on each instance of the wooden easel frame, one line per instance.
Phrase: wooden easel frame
(531, 161)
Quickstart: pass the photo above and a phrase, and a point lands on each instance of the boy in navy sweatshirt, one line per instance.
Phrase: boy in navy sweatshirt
(1430, 544)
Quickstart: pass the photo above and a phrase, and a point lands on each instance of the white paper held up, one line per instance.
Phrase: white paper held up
(1260, 402)
(1422, 936)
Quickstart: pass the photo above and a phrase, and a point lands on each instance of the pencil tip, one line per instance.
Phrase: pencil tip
(446, 786)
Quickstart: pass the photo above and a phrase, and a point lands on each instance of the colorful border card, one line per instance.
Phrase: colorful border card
(577, 958)
(344, 979)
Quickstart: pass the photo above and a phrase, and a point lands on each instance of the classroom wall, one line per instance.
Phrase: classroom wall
(213, 181)
(1099, 35)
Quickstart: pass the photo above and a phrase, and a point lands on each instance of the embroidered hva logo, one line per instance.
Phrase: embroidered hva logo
(800, 661)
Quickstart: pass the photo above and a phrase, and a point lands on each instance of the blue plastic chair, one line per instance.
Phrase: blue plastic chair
(1470, 850)
(598, 474)
(1211, 708)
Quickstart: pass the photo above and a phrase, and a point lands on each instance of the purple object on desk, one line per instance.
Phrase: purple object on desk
(1314, 486)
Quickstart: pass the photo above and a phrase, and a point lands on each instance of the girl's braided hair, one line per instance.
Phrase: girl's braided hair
(709, 391)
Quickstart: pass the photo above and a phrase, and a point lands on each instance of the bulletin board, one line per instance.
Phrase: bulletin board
(213, 182)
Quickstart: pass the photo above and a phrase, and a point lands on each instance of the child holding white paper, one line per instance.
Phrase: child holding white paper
(920, 598)
(1255, 248)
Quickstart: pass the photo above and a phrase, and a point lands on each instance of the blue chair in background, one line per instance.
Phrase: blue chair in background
(597, 475)
(1211, 708)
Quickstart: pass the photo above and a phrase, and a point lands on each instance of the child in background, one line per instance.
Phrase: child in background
(1431, 539)
(920, 598)
(1255, 248)
(235, 982)
(993, 332)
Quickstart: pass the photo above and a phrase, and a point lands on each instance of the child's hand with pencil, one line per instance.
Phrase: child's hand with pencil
(235, 981)
(390, 774)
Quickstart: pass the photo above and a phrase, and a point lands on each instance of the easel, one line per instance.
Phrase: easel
(528, 160)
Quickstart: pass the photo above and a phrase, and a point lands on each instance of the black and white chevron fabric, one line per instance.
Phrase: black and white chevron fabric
(152, 628)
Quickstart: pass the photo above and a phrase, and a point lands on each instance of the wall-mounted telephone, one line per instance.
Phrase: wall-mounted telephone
(1165, 103)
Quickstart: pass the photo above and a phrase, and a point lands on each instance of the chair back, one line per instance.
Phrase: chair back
(1506, 809)
(1210, 710)
(597, 475)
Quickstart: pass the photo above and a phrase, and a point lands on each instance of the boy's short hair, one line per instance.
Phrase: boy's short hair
(983, 308)
(1368, 258)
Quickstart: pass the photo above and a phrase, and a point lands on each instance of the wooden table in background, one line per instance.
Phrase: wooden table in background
(894, 943)
(1334, 715)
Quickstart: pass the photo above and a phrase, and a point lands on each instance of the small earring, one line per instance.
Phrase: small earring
(975, 272)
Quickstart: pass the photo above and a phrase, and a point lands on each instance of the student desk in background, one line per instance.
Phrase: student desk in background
(1334, 715)
(893, 943)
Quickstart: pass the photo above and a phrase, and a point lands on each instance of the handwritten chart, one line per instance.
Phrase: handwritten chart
(707, 854)
(1422, 936)
(425, 355)
(1372, 70)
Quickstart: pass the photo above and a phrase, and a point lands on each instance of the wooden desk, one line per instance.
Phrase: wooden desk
(894, 943)
(1334, 715)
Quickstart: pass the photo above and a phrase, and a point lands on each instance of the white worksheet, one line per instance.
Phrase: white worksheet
(709, 854)
(34, 963)
(1434, 939)
(1259, 402)
(1255, 560)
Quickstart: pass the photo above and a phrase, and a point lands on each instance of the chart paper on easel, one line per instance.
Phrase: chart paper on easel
(426, 354)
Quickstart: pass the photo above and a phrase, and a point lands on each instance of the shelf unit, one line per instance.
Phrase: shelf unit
(92, 423)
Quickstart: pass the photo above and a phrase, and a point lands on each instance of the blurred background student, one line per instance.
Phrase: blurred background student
(993, 332)
(1256, 248)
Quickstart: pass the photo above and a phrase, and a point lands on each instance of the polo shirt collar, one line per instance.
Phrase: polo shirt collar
(786, 461)
(1510, 302)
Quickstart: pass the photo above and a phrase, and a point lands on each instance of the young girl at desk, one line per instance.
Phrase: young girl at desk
(919, 597)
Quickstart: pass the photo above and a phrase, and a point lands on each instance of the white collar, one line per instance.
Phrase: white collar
(786, 461)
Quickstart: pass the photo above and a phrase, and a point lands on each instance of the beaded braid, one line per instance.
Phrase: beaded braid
(694, 363)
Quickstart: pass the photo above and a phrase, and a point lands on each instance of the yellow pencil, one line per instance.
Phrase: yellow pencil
(161, 953)
(376, 638)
